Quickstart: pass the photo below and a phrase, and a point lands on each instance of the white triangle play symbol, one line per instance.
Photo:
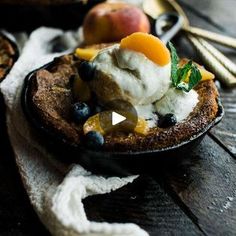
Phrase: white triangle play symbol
(117, 118)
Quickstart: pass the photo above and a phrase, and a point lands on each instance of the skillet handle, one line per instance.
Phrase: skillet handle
(167, 26)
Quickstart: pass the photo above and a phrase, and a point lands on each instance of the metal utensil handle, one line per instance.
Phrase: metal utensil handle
(214, 37)
(210, 60)
(225, 61)
(169, 34)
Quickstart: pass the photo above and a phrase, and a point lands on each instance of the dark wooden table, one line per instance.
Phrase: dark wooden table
(191, 195)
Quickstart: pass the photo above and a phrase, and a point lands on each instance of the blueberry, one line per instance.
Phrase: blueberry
(167, 120)
(81, 112)
(86, 71)
(94, 140)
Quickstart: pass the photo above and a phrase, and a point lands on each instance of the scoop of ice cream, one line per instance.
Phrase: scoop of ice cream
(177, 102)
(129, 75)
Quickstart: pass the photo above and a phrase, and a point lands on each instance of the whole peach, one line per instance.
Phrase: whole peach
(110, 22)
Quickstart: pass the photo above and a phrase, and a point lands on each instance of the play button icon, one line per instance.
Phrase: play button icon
(118, 115)
(117, 118)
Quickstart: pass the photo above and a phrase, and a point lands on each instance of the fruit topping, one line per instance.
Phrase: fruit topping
(94, 140)
(152, 47)
(81, 112)
(86, 53)
(141, 127)
(86, 71)
(167, 121)
(93, 124)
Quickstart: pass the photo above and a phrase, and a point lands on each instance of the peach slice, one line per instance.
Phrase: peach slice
(206, 75)
(152, 47)
(86, 53)
(93, 124)
(141, 127)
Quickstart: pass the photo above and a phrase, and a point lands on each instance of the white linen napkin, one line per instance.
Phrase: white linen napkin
(58, 202)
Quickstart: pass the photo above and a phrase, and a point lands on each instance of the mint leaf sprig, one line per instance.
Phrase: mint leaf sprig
(179, 74)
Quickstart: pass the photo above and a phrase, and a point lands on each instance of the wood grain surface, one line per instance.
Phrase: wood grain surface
(192, 194)
(204, 182)
(144, 203)
(225, 132)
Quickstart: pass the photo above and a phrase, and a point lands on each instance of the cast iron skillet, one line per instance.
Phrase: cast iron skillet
(10, 38)
(118, 163)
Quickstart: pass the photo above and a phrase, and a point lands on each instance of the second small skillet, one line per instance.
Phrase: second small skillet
(9, 51)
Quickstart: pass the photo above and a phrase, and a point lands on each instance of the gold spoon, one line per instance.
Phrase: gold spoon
(154, 8)
(224, 68)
